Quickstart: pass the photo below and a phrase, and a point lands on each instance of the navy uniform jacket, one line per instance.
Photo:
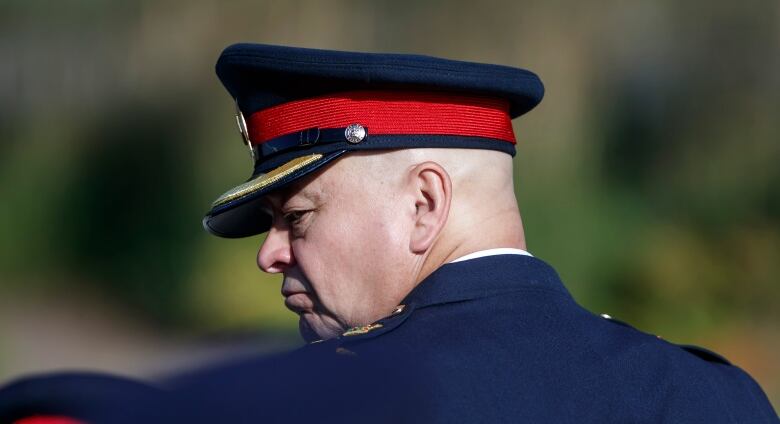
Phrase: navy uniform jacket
(499, 339)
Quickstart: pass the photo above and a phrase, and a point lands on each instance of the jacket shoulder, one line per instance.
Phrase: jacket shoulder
(686, 383)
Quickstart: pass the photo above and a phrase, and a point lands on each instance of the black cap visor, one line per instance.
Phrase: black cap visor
(240, 213)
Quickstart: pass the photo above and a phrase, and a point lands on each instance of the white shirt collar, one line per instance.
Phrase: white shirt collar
(492, 252)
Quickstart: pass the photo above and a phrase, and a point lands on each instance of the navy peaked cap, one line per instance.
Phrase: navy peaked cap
(299, 109)
(259, 76)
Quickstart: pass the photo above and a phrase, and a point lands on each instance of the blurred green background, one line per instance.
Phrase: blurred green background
(648, 176)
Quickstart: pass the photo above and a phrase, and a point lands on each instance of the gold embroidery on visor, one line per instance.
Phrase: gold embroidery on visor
(265, 180)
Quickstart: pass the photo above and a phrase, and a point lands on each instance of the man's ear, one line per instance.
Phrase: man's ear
(432, 197)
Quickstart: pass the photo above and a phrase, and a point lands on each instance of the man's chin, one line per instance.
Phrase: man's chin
(308, 332)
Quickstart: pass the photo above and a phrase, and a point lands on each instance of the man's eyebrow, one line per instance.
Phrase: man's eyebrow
(276, 197)
(305, 193)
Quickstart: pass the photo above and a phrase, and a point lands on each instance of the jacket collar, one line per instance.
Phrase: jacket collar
(483, 277)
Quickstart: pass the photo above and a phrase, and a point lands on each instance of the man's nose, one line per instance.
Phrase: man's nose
(275, 254)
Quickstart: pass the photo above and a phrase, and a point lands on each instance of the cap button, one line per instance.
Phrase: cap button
(355, 133)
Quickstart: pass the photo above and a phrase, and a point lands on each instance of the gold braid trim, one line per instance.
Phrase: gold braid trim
(265, 180)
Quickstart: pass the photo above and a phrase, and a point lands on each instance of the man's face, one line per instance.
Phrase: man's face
(341, 240)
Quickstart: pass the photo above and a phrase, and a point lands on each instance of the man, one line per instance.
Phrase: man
(384, 183)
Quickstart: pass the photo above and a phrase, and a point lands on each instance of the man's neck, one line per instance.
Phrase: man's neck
(439, 257)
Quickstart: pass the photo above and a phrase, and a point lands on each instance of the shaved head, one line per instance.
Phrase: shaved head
(482, 199)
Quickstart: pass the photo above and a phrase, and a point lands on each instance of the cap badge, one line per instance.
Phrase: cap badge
(242, 128)
(355, 133)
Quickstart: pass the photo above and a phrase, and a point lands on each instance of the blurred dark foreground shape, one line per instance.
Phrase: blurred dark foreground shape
(291, 388)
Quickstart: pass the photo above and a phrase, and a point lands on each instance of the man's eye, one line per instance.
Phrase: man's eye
(294, 216)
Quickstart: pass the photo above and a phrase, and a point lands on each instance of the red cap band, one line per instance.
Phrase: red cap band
(388, 113)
